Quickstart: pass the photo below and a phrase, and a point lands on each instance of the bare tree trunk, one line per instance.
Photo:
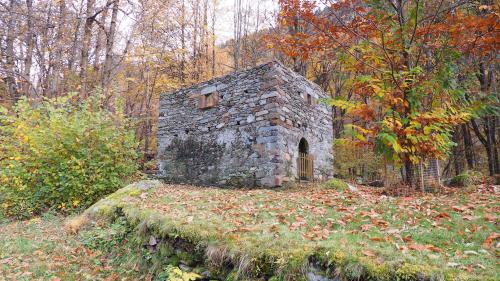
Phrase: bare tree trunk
(87, 30)
(99, 42)
(74, 46)
(28, 60)
(58, 65)
(46, 54)
(205, 34)
(488, 142)
(213, 39)
(457, 152)
(468, 145)
(110, 39)
(486, 79)
(237, 33)
(10, 79)
(409, 172)
(195, 39)
(183, 42)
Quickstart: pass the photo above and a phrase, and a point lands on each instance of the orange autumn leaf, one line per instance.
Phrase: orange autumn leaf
(489, 240)
(417, 247)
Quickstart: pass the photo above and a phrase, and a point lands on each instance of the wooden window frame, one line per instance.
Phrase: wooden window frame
(208, 100)
(309, 99)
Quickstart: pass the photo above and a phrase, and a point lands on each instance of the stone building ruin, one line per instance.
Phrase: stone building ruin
(263, 126)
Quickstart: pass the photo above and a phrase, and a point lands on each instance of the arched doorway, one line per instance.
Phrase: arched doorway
(303, 146)
(304, 161)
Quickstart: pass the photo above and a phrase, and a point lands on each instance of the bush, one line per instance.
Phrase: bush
(354, 162)
(337, 184)
(467, 178)
(62, 155)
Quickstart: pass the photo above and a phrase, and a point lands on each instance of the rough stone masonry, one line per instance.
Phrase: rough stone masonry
(244, 129)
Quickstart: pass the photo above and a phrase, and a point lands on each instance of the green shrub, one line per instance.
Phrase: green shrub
(352, 162)
(467, 178)
(62, 155)
(335, 183)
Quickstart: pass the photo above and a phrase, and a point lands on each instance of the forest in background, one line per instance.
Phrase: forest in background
(136, 50)
(133, 50)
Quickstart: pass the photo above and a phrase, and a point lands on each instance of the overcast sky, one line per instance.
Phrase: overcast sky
(225, 13)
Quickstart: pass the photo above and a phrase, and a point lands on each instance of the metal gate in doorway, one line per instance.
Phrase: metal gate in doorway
(305, 166)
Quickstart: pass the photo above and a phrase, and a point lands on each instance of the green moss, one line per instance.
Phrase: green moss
(267, 247)
(336, 184)
(409, 272)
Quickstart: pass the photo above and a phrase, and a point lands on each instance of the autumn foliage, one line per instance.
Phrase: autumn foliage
(62, 156)
(404, 60)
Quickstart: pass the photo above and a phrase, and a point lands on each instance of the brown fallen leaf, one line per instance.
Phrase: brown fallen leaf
(407, 238)
(377, 239)
(489, 218)
(369, 253)
(442, 216)
(487, 242)
(434, 248)
(417, 247)
(6, 260)
(469, 218)
(366, 227)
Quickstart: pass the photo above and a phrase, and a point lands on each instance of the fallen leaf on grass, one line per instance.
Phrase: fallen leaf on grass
(407, 238)
(316, 233)
(369, 253)
(392, 231)
(420, 247)
(489, 218)
(434, 248)
(366, 227)
(469, 218)
(6, 261)
(417, 247)
(487, 242)
(442, 216)
(377, 239)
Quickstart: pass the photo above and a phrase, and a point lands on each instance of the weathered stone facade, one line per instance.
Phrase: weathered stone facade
(244, 129)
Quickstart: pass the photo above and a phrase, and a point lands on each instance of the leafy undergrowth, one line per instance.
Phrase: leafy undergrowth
(40, 249)
(354, 236)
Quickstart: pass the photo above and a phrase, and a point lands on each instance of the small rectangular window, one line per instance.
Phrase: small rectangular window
(208, 100)
(309, 99)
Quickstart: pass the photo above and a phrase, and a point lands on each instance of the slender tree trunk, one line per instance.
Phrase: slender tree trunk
(237, 33)
(28, 60)
(10, 79)
(486, 78)
(74, 46)
(183, 43)
(468, 146)
(213, 39)
(110, 39)
(87, 30)
(409, 172)
(205, 35)
(58, 64)
(457, 152)
(195, 39)
(46, 54)
(99, 43)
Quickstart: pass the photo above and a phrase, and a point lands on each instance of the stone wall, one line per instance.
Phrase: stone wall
(297, 120)
(250, 138)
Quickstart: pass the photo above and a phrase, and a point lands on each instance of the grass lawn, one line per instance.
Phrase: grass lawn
(365, 235)
(40, 249)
